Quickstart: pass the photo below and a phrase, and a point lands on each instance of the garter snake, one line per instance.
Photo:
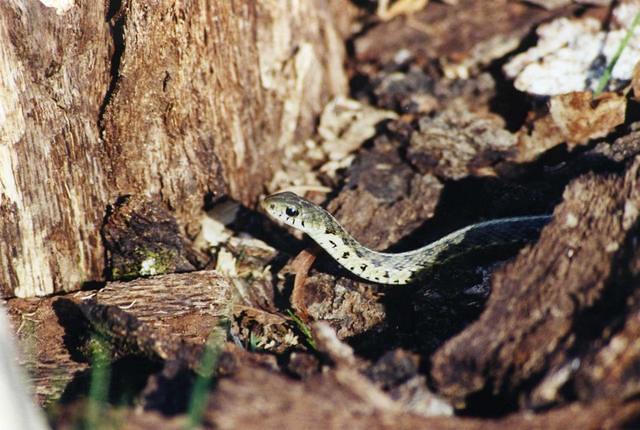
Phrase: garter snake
(396, 268)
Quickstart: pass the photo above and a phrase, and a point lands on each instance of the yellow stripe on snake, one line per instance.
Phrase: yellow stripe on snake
(396, 268)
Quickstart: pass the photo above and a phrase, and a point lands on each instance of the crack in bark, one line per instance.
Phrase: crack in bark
(115, 15)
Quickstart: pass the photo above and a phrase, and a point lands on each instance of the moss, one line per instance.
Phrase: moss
(145, 262)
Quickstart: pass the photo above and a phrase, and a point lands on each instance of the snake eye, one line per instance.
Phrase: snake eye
(291, 211)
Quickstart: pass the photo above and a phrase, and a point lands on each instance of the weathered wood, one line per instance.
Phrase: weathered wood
(142, 238)
(554, 299)
(155, 316)
(54, 77)
(427, 34)
(610, 369)
(185, 306)
(50, 332)
(338, 399)
(172, 100)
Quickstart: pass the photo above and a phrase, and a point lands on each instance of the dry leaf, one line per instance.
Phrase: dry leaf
(581, 118)
(345, 124)
(574, 118)
(386, 11)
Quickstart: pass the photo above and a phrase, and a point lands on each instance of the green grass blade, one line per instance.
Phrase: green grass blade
(99, 383)
(304, 329)
(606, 76)
(206, 373)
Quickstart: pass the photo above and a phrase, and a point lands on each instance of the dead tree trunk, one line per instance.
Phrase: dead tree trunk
(170, 99)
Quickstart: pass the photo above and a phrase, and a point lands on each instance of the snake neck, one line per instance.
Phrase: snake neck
(380, 267)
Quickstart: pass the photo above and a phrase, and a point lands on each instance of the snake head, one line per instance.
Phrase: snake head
(295, 211)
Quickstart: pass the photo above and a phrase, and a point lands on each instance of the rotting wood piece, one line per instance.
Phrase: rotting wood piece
(142, 238)
(55, 74)
(185, 306)
(612, 370)
(380, 187)
(176, 101)
(334, 400)
(129, 336)
(427, 34)
(351, 307)
(550, 301)
(457, 143)
(50, 333)
(177, 309)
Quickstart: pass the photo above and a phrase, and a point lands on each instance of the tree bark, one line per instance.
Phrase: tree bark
(174, 100)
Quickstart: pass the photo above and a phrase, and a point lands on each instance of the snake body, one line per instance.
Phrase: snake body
(396, 268)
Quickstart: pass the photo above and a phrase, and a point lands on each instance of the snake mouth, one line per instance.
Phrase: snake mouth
(268, 205)
(272, 209)
(264, 204)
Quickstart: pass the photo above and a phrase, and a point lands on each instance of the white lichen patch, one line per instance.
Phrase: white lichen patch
(571, 220)
(148, 267)
(612, 247)
(572, 54)
(630, 214)
(226, 264)
(61, 6)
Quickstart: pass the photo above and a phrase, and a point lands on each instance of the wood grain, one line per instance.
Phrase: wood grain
(173, 100)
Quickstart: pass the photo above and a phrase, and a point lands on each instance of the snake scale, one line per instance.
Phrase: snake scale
(396, 268)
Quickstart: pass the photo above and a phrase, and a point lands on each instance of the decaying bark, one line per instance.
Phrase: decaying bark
(333, 400)
(172, 100)
(149, 109)
(142, 238)
(165, 318)
(509, 21)
(554, 299)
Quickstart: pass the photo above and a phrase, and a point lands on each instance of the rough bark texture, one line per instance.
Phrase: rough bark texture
(557, 295)
(416, 33)
(55, 75)
(338, 399)
(143, 238)
(172, 100)
(155, 317)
